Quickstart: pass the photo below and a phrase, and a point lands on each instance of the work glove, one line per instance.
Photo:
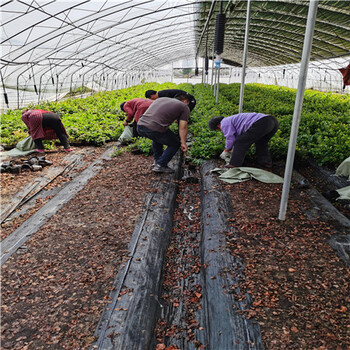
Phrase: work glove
(225, 155)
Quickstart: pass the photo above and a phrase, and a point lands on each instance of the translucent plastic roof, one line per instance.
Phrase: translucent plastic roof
(276, 31)
(95, 35)
(60, 42)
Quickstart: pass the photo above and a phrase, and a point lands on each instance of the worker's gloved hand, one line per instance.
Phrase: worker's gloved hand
(225, 155)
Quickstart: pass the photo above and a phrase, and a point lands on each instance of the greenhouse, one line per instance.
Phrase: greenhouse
(175, 174)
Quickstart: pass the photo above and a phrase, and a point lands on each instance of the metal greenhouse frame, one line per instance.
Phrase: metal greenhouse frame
(51, 47)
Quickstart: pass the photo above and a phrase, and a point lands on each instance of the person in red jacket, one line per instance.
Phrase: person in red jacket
(134, 109)
(45, 125)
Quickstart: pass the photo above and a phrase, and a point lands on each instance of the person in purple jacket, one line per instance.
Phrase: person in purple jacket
(241, 131)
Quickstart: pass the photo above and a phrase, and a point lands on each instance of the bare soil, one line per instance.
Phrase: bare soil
(55, 288)
(299, 285)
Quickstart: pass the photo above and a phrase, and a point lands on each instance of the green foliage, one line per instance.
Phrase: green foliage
(323, 131)
(118, 151)
(79, 91)
(324, 124)
(92, 120)
(144, 145)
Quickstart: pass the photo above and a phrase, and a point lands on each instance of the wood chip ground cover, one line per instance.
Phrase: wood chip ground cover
(55, 289)
(299, 286)
(13, 183)
(181, 289)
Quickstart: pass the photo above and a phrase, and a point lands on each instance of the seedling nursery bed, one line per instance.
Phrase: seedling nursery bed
(99, 252)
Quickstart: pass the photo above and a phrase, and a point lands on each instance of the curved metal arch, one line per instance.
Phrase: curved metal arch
(152, 40)
(151, 62)
(113, 25)
(53, 66)
(165, 54)
(70, 28)
(33, 25)
(124, 57)
(127, 47)
(273, 43)
(326, 36)
(114, 68)
(95, 69)
(330, 39)
(132, 37)
(284, 29)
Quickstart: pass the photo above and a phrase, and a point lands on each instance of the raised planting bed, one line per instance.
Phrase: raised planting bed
(139, 260)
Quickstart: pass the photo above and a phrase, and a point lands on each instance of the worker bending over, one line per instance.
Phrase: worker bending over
(134, 109)
(154, 124)
(241, 131)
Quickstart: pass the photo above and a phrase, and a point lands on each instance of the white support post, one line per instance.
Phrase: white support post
(245, 52)
(214, 82)
(310, 26)
(217, 85)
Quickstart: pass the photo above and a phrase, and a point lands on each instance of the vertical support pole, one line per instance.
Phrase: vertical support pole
(203, 68)
(40, 81)
(82, 86)
(57, 88)
(18, 91)
(5, 93)
(92, 84)
(217, 85)
(309, 32)
(245, 52)
(212, 70)
(71, 83)
(214, 83)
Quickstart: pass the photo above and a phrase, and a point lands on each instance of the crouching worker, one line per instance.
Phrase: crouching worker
(154, 124)
(241, 131)
(134, 109)
(45, 125)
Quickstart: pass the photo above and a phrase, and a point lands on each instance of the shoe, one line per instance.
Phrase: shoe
(68, 149)
(39, 150)
(162, 169)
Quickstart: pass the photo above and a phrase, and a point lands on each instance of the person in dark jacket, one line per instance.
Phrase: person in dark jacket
(241, 131)
(153, 95)
(45, 125)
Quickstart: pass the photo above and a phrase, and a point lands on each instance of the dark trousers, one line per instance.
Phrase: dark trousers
(134, 129)
(53, 121)
(259, 133)
(159, 139)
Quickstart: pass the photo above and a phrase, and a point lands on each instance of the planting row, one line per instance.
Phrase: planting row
(323, 131)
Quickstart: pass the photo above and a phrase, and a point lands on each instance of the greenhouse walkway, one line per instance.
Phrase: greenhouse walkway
(129, 320)
(178, 286)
